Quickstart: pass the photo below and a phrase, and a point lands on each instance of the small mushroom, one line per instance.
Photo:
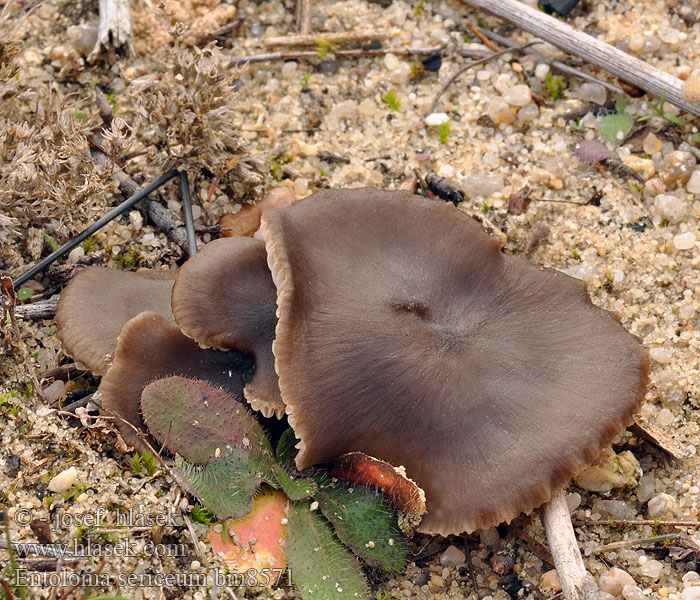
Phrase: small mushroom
(224, 298)
(98, 302)
(149, 347)
(405, 334)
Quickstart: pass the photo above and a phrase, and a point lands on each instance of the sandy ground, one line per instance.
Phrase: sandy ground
(633, 240)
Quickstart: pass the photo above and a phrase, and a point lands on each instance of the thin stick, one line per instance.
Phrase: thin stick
(555, 64)
(576, 582)
(305, 17)
(640, 523)
(44, 309)
(475, 30)
(342, 37)
(114, 29)
(272, 56)
(471, 65)
(596, 52)
(97, 225)
(639, 542)
(187, 211)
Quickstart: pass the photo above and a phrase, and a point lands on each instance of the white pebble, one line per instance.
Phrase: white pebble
(345, 110)
(75, 254)
(435, 119)
(670, 207)
(503, 82)
(148, 239)
(632, 592)
(452, 557)
(693, 185)
(614, 580)
(664, 417)
(196, 211)
(64, 480)
(195, 565)
(660, 355)
(645, 489)
(529, 112)
(541, 71)
(289, 69)
(482, 184)
(661, 505)
(651, 569)
(391, 61)
(592, 92)
(691, 579)
(367, 107)
(691, 593)
(136, 220)
(684, 241)
(518, 95)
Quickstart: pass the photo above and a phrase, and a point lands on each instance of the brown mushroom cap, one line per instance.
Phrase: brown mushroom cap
(224, 298)
(98, 302)
(405, 334)
(149, 347)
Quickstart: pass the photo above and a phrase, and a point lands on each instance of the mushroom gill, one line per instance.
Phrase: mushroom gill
(224, 298)
(96, 304)
(405, 334)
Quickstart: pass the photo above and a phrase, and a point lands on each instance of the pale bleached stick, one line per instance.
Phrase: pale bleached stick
(576, 582)
(342, 37)
(615, 61)
(114, 29)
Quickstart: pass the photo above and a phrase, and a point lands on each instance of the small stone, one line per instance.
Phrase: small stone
(691, 579)
(301, 186)
(614, 580)
(646, 487)
(676, 168)
(83, 37)
(684, 241)
(328, 67)
(289, 69)
(452, 557)
(573, 501)
(664, 417)
(651, 144)
(693, 185)
(651, 569)
(391, 61)
(609, 471)
(518, 95)
(660, 355)
(54, 391)
(437, 581)
(482, 184)
(420, 579)
(503, 82)
(670, 207)
(435, 119)
(550, 581)
(345, 110)
(592, 92)
(76, 254)
(691, 91)
(529, 112)
(500, 111)
(632, 592)
(136, 220)
(490, 538)
(541, 71)
(367, 108)
(691, 593)
(660, 506)
(64, 480)
(643, 166)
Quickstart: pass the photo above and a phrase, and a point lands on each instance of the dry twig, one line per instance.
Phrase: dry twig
(576, 582)
(596, 52)
(342, 37)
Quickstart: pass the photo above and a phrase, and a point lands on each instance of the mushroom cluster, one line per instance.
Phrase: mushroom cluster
(383, 323)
